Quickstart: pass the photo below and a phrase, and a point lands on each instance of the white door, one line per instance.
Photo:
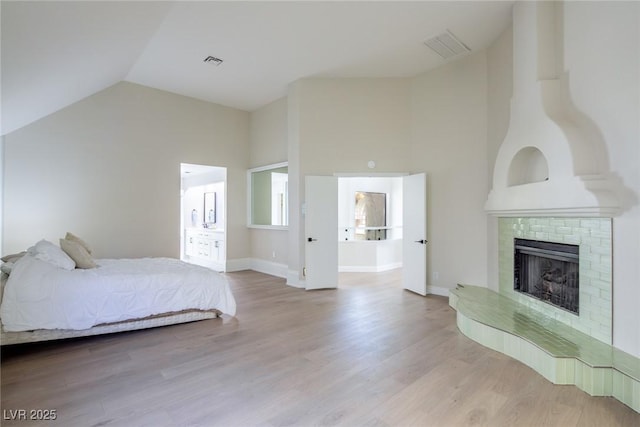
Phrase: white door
(414, 234)
(321, 232)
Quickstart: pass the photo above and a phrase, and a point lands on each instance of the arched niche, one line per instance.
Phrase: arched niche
(528, 166)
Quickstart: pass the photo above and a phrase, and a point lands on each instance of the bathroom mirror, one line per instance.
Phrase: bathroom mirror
(209, 209)
(370, 216)
(268, 190)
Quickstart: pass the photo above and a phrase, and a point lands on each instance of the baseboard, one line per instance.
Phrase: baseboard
(438, 290)
(294, 280)
(368, 268)
(238, 264)
(213, 265)
(269, 267)
(292, 276)
(266, 267)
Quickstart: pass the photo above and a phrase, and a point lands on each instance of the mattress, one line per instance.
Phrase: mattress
(40, 296)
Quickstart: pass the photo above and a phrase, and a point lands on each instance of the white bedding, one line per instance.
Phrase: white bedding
(39, 295)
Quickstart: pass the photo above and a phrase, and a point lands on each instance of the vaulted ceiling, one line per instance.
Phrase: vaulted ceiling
(56, 53)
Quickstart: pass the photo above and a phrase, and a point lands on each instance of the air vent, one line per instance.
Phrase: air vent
(213, 60)
(446, 45)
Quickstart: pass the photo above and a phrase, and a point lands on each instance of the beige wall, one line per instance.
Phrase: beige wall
(268, 145)
(449, 142)
(338, 125)
(108, 169)
(268, 134)
(344, 123)
(434, 123)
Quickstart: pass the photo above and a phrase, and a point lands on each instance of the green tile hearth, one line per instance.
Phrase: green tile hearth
(555, 338)
(557, 351)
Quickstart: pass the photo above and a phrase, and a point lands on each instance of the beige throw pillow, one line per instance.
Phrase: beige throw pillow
(78, 253)
(73, 238)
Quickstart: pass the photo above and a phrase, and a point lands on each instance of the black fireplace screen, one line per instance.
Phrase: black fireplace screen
(548, 271)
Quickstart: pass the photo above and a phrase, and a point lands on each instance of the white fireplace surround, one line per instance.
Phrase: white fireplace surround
(553, 160)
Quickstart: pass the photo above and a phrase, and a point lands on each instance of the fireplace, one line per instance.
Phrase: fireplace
(548, 272)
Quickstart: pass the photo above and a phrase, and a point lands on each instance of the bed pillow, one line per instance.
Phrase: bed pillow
(6, 267)
(13, 257)
(48, 252)
(10, 261)
(78, 253)
(72, 237)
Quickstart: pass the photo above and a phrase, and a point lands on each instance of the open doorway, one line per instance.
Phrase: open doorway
(202, 215)
(370, 224)
(321, 223)
(370, 231)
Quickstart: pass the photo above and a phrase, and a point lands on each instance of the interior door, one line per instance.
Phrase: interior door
(321, 232)
(414, 234)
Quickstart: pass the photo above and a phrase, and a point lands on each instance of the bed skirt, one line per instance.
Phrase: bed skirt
(8, 338)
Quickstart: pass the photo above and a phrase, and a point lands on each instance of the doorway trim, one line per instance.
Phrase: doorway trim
(212, 236)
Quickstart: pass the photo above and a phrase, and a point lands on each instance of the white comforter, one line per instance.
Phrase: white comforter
(39, 295)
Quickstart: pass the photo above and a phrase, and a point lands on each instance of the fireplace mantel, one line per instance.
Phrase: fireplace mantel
(553, 160)
(590, 196)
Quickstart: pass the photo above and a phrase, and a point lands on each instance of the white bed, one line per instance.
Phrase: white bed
(42, 301)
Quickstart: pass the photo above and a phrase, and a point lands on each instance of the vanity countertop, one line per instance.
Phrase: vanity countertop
(210, 230)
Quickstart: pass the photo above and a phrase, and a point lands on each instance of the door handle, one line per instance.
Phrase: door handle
(422, 242)
(311, 239)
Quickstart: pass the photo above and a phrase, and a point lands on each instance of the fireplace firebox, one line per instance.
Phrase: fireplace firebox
(548, 271)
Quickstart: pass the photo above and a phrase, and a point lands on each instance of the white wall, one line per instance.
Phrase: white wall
(449, 142)
(604, 85)
(500, 88)
(108, 169)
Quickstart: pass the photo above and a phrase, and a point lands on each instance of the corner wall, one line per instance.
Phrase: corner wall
(449, 142)
(338, 125)
(268, 135)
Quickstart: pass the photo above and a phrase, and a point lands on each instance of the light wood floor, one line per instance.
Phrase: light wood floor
(368, 353)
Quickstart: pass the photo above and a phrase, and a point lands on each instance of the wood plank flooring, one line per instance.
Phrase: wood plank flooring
(367, 354)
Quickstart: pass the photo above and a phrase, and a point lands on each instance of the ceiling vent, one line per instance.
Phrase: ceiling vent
(446, 45)
(213, 60)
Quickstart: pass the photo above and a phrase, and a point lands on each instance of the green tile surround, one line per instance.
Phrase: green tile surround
(593, 236)
(557, 351)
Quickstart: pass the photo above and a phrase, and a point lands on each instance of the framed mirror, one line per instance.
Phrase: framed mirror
(370, 216)
(209, 209)
(268, 191)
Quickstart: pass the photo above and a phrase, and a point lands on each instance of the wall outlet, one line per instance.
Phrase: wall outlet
(435, 276)
(273, 254)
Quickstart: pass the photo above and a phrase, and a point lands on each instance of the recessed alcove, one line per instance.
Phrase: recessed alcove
(528, 166)
(552, 162)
